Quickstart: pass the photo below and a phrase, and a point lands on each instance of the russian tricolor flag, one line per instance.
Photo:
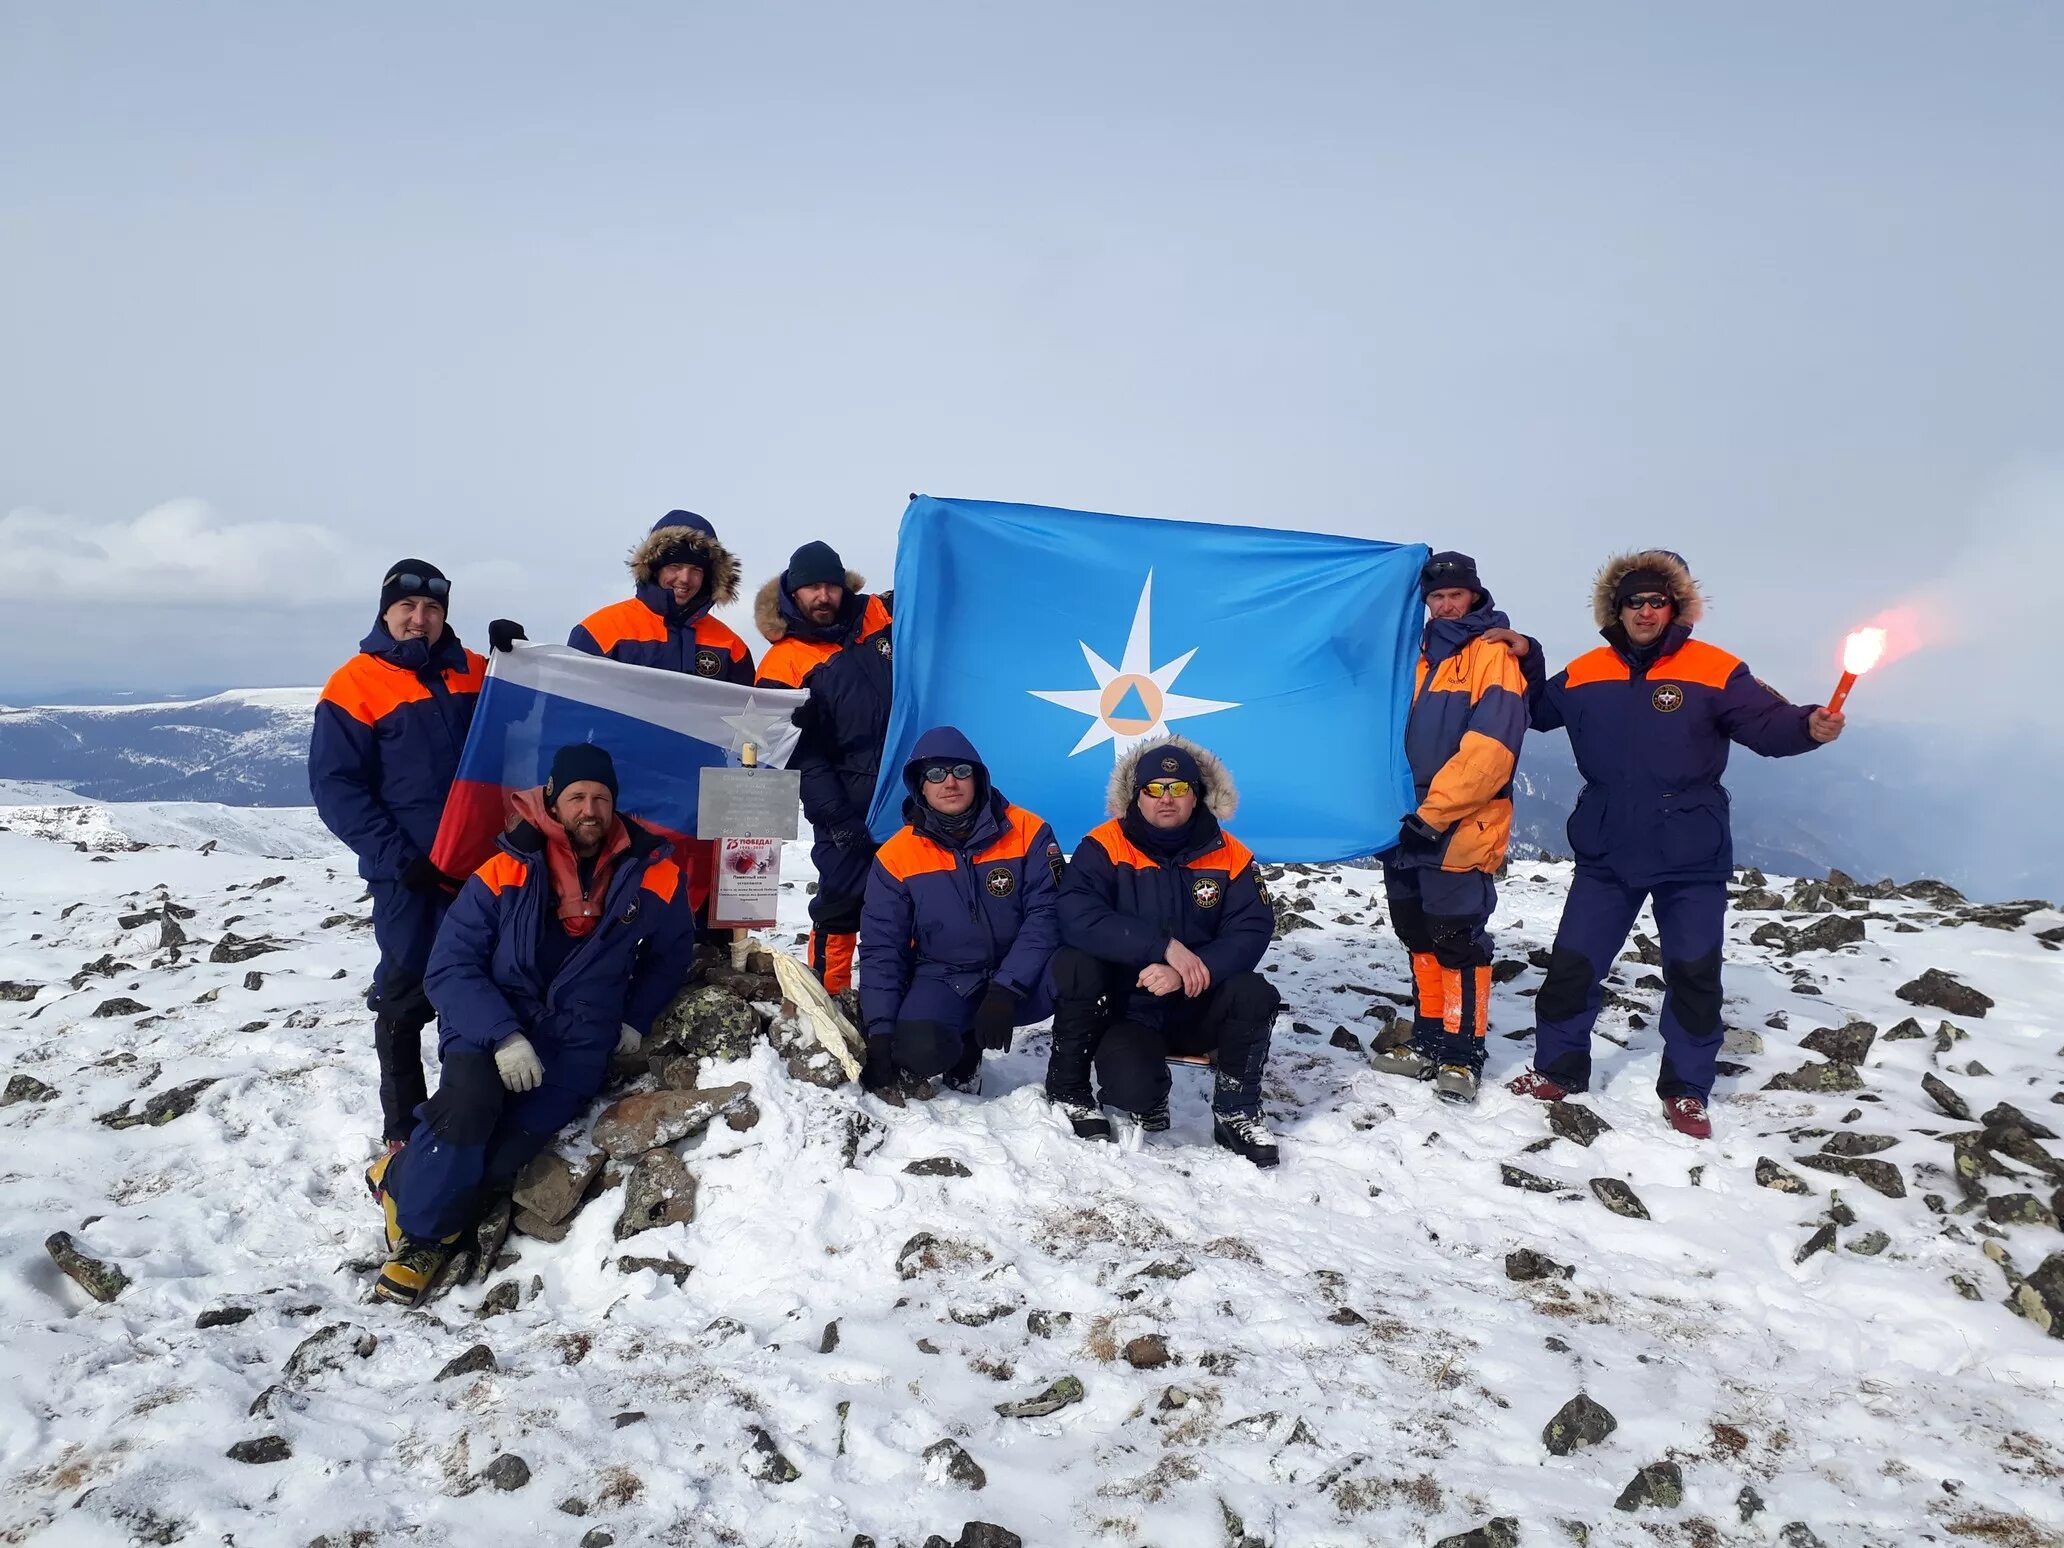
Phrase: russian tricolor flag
(661, 728)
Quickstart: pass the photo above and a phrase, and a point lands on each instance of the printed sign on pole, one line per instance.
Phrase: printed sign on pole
(748, 889)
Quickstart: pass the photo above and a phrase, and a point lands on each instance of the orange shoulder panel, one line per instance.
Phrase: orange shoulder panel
(662, 879)
(1231, 857)
(873, 620)
(710, 630)
(629, 619)
(472, 679)
(1015, 842)
(909, 853)
(1419, 678)
(1602, 665)
(501, 870)
(1112, 840)
(1493, 666)
(789, 661)
(368, 690)
(1697, 662)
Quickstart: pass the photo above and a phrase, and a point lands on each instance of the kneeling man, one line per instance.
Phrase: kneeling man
(961, 919)
(1163, 923)
(558, 952)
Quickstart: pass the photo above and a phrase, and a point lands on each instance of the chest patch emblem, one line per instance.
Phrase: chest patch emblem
(1205, 892)
(1667, 697)
(706, 663)
(881, 643)
(1000, 882)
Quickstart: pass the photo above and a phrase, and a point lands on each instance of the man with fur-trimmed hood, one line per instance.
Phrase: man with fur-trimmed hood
(811, 613)
(1163, 924)
(1650, 716)
(680, 571)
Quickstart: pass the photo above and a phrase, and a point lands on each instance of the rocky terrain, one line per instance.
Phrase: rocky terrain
(741, 1303)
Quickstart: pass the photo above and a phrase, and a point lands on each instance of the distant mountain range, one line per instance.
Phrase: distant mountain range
(1883, 802)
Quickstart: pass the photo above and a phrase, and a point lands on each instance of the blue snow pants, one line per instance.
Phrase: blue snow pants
(1596, 917)
(936, 1020)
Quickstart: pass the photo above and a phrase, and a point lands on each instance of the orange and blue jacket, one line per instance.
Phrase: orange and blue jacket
(982, 910)
(487, 980)
(1651, 731)
(803, 646)
(385, 746)
(1123, 904)
(1468, 716)
(649, 630)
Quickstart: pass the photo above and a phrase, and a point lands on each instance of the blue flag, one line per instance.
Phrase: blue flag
(1056, 640)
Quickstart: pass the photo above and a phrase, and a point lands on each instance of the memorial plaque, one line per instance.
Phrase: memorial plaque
(748, 883)
(749, 803)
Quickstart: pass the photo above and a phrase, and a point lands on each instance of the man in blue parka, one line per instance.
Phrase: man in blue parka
(385, 748)
(960, 921)
(679, 571)
(1163, 924)
(559, 952)
(1651, 715)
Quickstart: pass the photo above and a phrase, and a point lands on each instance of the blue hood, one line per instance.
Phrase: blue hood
(1444, 637)
(943, 744)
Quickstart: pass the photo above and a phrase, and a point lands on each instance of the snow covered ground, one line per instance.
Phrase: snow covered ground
(1347, 1360)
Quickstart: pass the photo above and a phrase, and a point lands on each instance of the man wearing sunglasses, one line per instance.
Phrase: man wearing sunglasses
(1163, 923)
(1468, 716)
(960, 921)
(1651, 714)
(381, 759)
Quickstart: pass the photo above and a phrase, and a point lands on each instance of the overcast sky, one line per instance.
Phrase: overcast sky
(287, 292)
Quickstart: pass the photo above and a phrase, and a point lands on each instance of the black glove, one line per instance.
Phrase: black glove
(503, 633)
(1415, 832)
(421, 876)
(995, 1017)
(850, 835)
(879, 1072)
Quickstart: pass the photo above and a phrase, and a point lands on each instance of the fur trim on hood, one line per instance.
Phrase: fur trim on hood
(1221, 795)
(721, 584)
(766, 609)
(1684, 591)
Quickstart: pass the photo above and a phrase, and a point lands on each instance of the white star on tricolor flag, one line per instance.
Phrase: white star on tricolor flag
(1133, 675)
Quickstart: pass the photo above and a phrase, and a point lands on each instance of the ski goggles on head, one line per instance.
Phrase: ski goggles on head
(435, 587)
(1162, 789)
(937, 774)
(1447, 576)
(1647, 602)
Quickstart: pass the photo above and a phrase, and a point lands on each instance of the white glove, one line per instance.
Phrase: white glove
(521, 1068)
(627, 1039)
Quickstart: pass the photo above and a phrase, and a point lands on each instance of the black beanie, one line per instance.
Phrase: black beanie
(1636, 582)
(814, 564)
(581, 760)
(1446, 571)
(1167, 761)
(413, 578)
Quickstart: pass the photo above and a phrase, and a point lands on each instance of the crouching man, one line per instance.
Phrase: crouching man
(557, 953)
(1163, 923)
(961, 919)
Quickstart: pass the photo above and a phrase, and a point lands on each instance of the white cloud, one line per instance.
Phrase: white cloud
(178, 554)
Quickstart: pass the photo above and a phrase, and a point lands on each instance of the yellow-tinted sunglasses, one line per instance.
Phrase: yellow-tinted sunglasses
(1161, 789)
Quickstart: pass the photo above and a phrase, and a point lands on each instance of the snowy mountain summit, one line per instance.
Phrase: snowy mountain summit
(742, 1303)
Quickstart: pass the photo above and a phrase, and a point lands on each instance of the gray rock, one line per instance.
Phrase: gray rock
(552, 1186)
(234, 948)
(598, 1537)
(539, 1228)
(1059, 1395)
(1578, 1423)
(2019, 1209)
(1342, 1038)
(477, 1358)
(1880, 1176)
(2040, 1297)
(222, 1316)
(1517, 1177)
(266, 1448)
(1616, 1196)
(26, 1088)
(327, 1348)
(1758, 900)
(1817, 1077)
(1580, 1125)
(120, 1005)
(506, 1472)
(1905, 1031)
(1524, 1264)
(958, 1465)
(1748, 1503)
(1659, 1485)
(1944, 1096)
(670, 1266)
(765, 1462)
(1797, 1534)
(1868, 1245)
(1945, 991)
(708, 1022)
(986, 1534)
(1498, 1532)
(2005, 1115)
(102, 1281)
(15, 993)
(1849, 1044)
(937, 1166)
(650, 1119)
(660, 1191)
(1851, 1143)
(925, 1253)
(1147, 1353)
(1822, 1240)
(1770, 1175)
(1829, 934)
(160, 1109)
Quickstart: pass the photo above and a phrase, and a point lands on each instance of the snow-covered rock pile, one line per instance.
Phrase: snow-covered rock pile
(745, 1304)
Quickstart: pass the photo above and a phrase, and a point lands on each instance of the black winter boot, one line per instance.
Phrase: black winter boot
(1079, 1020)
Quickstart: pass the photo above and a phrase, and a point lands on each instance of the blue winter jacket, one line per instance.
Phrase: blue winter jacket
(1123, 904)
(385, 747)
(843, 727)
(1650, 731)
(484, 975)
(967, 912)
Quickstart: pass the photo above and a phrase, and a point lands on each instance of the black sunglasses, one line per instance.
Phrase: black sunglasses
(936, 774)
(1648, 603)
(435, 587)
